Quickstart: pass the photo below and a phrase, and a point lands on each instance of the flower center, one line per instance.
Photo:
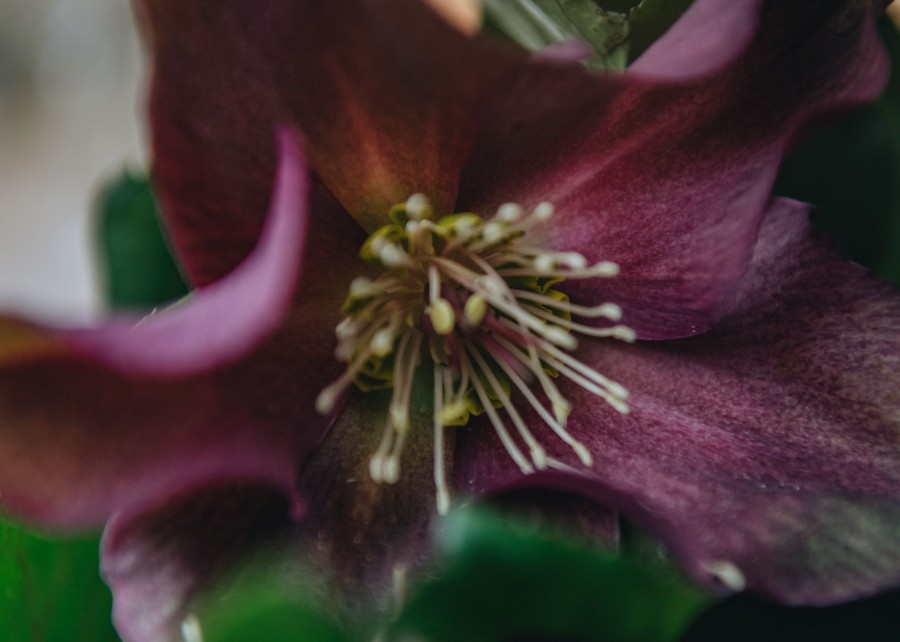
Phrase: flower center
(474, 301)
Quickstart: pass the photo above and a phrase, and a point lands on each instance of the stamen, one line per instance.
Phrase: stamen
(442, 495)
(416, 206)
(583, 453)
(499, 428)
(475, 310)
(610, 311)
(538, 454)
(376, 463)
(561, 407)
(443, 318)
(392, 255)
(328, 397)
(621, 332)
(543, 211)
(485, 304)
(404, 369)
(509, 212)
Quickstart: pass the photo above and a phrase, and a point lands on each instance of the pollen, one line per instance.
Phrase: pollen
(468, 302)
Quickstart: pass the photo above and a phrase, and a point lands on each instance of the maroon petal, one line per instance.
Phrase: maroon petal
(359, 533)
(159, 558)
(384, 92)
(671, 181)
(223, 320)
(766, 451)
(95, 421)
(708, 37)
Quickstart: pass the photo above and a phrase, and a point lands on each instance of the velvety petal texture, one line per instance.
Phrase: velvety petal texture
(686, 168)
(152, 422)
(385, 92)
(361, 534)
(156, 558)
(708, 37)
(766, 451)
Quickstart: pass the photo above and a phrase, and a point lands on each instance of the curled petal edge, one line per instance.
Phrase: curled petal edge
(219, 323)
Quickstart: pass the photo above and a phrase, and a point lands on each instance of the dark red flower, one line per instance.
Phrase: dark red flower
(762, 440)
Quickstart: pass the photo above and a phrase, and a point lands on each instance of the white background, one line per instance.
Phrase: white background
(70, 76)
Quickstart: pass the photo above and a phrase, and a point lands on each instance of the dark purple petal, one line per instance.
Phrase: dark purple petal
(224, 320)
(671, 180)
(709, 36)
(767, 446)
(385, 93)
(160, 557)
(358, 532)
(85, 433)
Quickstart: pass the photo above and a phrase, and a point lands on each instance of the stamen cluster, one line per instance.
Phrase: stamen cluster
(473, 298)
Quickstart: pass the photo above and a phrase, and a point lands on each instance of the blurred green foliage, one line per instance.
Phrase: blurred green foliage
(618, 30)
(50, 590)
(258, 609)
(138, 269)
(506, 580)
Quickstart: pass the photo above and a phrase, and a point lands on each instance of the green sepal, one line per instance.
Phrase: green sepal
(353, 305)
(377, 374)
(392, 233)
(398, 214)
(451, 222)
(537, 284)
(562, 297)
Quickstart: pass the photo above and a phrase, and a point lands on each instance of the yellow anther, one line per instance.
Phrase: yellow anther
(475, 309)
(443, 318)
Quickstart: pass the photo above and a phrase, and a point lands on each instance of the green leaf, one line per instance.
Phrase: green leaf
(507, 581)
(50, 590)
(618, 30)
(851, 173)
(138, 269)
(261, 605)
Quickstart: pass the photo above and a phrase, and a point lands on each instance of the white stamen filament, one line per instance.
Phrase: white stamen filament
(538, 454)
(609, 311)
(559, 404)
(621, 332)
(583, 453)
(442, 494)
(496, 422)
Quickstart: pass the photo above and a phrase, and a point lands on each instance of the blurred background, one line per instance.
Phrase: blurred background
(70, 72)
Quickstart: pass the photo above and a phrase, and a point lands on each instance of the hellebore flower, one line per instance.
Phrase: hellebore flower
(759, 435)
